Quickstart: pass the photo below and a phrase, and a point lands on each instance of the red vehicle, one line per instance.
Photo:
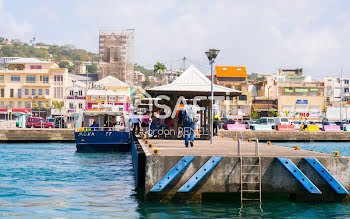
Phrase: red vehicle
(38, 122)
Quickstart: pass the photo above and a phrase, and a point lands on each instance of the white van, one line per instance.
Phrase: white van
(281, 120)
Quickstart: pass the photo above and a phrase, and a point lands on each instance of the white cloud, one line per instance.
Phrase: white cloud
(260, 34)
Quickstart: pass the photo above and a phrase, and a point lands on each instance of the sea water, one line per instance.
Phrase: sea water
(53, 181)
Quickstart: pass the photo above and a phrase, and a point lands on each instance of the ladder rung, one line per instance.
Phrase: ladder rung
(250, 190)
(249, 165)
(250, 173)
(250, 199)
(250, 182)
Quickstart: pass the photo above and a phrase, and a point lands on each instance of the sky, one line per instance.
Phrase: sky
(261, 35)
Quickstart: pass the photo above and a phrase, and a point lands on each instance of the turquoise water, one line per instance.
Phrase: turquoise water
(52, 181)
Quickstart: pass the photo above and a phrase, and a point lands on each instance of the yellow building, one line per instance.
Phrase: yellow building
(301, 99)
(28, 81)
(234, 77)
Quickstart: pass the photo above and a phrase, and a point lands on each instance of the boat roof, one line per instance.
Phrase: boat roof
(96, 113)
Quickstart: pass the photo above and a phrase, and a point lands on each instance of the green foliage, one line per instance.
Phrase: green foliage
(65, 64)
(147, 82)
(286, 112)
(92, 69)
(272, 113)
(255, 114)
(256, 77)
(58, 105)
(143, 70)
(35, 105)
(159, 68)
(53, 52)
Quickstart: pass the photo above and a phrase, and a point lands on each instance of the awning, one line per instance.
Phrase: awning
(314, 89)
(301, 90)
(288, 90)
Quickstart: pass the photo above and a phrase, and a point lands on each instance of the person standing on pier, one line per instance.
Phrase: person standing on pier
(305, 124)
(135, 123)
(189, 123)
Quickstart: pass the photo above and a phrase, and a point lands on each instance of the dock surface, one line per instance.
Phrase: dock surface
(224, 147)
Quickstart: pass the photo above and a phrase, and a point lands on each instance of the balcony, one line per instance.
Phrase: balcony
(35, 84)
(301, 84)
(77, 98)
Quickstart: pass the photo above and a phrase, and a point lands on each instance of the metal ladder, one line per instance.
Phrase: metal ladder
(250, 178)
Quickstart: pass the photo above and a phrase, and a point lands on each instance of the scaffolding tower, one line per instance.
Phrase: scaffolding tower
(116, 54)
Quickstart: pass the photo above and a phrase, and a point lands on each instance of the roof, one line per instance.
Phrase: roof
(76, 83)
(28, 61)
(111, 81)
(231, 71)
(192, 81)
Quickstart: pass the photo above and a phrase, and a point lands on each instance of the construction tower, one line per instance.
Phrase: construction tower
(116, 54)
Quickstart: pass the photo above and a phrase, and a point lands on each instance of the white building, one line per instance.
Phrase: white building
(75, 96)
(334, 89)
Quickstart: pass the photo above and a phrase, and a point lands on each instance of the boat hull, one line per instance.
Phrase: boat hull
(102, 141)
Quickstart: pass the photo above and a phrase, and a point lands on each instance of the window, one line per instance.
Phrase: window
(27, 104)
(40, 91)
(80, 93)
(58, 78)
(19, 93)
(26, 91)
(242, 97)
(15, 78)
(71, 106)
(346, 90)
(58, 92)
(112, 98)
(2, 92)
(93, 98)
(103, 98)
(120, 98)
(11, 104)
(47, 91)
(30, 78)
(33, 92)
(346, 81)
(80, 105)
(44, 79)
(2, 79)
(2, 104)
(71, 93)
(11, 92)
(35, 67)
(19, 104)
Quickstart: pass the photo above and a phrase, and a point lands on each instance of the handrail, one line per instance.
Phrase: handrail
(87, 129)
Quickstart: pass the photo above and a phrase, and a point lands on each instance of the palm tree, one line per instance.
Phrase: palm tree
(58, 105)
(35, 105)
(46, 106)
(159, 68)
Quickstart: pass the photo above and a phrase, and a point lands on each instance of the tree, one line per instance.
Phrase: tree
(66, 65)
(159, 68)
(92, 68)
(36, 106)
(58, 105)
(146, 83)
(272, 113)
(255, 114)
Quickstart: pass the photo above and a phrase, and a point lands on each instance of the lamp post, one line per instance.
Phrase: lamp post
(268, 100)
(212, 54)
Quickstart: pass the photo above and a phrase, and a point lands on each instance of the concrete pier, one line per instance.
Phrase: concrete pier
(150, 168)
(36, 135)
(290, 135)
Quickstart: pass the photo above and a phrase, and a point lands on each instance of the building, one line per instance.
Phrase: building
(234, 77)
(139, 77)
(290, 72)
(81, 69)
(75, 96)
(299, 96)
(4, 60)
(28, 81)
(108, 91)
(116, 54)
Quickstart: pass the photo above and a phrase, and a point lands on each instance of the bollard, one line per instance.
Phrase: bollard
(336, 153)
(296, 147)
(146, 141)
(155, 151)
(239, 147)
(268, 143)
(235, 138)
(222, 136)
(249, 140)
(257, 147)
(150, 145)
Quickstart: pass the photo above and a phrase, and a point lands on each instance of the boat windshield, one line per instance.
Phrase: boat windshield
(99, 121)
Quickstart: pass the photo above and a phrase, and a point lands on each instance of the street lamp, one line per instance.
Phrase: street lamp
(212, 54)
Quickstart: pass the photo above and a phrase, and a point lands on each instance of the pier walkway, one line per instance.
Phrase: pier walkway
(169, 172)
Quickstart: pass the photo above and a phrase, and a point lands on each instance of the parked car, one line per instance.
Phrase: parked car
(342, 124)
(38, 122)
(60, 122)
(249, 124)
(224, 125)
(267, 121)
(281, 120)
(297, 124)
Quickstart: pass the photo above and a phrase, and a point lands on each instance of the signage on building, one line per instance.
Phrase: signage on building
(302, 102)
(302, 114)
